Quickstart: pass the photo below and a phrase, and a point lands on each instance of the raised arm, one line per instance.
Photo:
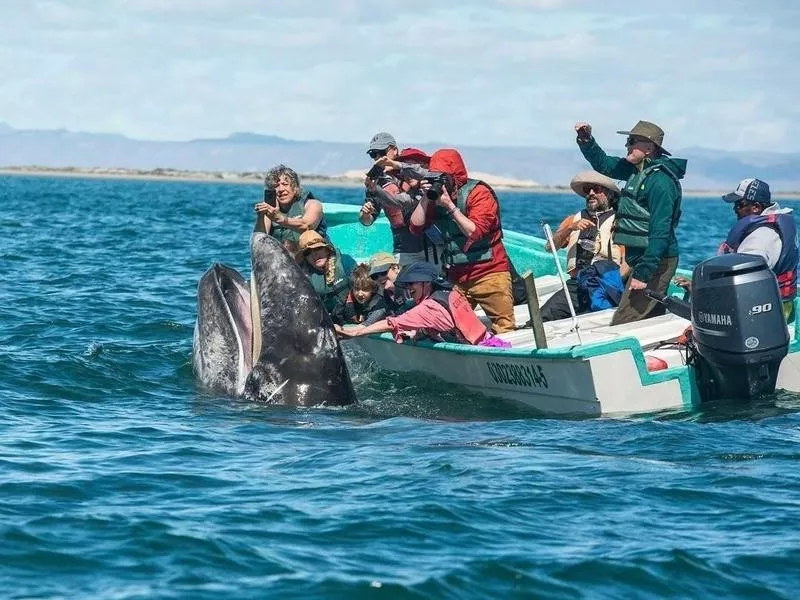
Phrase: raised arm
(613, 166)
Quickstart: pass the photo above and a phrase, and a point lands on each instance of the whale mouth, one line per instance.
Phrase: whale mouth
(236, 295)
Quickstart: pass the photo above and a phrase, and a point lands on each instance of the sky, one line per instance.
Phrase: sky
(713, 73)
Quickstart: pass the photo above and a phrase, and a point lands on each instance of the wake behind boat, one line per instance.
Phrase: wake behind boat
(603, 369)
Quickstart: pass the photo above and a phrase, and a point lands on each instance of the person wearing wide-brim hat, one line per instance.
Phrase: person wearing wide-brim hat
(325, 267)
(587, 237)
(647, 215)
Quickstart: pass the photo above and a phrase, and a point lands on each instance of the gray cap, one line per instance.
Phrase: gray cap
(381, 141)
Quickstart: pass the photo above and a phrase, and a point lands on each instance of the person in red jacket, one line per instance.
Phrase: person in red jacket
(467, 213)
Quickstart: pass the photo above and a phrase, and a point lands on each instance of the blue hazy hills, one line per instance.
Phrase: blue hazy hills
(709, 169)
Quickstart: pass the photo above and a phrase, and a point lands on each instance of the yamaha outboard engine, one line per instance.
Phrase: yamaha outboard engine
(738, 326)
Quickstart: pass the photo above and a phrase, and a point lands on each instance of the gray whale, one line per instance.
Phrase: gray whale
(273, 342)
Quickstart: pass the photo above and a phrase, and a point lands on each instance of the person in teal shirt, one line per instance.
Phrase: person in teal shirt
(648, 213)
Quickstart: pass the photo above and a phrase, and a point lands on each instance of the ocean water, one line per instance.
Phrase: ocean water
(120, 478)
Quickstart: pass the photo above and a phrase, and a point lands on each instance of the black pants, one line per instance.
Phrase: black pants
(557, 308)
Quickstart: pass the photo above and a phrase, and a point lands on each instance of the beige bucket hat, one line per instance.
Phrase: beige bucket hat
(592, 178)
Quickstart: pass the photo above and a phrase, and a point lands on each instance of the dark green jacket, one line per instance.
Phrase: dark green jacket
(336, 292)
(659, 194)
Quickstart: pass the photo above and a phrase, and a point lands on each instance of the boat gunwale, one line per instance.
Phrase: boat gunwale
(342, 214)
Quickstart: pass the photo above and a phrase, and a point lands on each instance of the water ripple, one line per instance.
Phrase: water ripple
(120, 478)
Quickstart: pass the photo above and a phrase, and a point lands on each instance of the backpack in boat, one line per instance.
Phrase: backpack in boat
(602, 283)
(518, 286)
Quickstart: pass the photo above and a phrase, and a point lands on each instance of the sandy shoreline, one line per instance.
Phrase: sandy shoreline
(257, 179)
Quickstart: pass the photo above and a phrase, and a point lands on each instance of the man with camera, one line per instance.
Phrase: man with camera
(385, 191)
(467, 214)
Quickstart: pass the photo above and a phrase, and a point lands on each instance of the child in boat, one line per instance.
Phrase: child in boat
(363, 305)
(440, 313)
(384, 269)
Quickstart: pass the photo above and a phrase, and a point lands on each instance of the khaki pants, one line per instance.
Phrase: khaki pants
(493, 293)
(635, 306)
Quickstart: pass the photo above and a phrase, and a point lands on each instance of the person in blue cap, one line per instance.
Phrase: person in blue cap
(765, 229)
(440, 312)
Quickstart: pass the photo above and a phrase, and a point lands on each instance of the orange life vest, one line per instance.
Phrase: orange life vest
(468, 327)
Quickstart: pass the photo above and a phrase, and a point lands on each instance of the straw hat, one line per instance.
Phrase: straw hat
(309, 240)
(380, 262)
(592, 178)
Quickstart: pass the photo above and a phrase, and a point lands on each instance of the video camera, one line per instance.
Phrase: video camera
(437, 181)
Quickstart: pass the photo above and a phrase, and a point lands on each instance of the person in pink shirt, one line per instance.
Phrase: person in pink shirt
(440, 313)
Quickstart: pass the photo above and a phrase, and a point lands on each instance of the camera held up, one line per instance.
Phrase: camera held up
(375, 172)
(437, 182)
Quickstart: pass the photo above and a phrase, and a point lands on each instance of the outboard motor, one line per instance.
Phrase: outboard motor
(738, 326)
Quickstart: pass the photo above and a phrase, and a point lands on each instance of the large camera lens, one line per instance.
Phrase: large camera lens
(434, 191)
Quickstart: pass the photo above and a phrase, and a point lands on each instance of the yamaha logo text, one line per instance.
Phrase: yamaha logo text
(714, 319)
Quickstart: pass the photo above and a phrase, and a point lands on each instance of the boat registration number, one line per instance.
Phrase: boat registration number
(524, 375)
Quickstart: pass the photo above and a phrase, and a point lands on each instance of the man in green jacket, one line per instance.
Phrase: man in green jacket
(648, 213)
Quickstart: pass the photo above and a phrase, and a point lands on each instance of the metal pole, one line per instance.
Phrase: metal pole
(534, 311)
(549, 234)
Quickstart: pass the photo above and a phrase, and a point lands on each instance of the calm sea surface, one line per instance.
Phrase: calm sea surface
(119, 478)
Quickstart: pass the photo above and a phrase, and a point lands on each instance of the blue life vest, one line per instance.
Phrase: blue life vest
(786, 268)
(603, 284)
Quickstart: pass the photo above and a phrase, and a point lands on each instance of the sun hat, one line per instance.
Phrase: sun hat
(750, 190)
(414, 155)
(649, 131)
(309, 240)
(592, 177)
(381, 141)
(380, 263)
(418, 272)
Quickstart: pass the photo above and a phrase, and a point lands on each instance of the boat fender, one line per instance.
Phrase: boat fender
(655, 364)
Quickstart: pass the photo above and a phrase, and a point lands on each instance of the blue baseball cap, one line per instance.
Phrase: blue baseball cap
(418, 272)
(750, 190)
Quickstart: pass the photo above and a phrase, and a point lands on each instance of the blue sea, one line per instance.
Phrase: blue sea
(120, 478)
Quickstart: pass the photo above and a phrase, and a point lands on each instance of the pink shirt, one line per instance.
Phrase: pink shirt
(428, 315)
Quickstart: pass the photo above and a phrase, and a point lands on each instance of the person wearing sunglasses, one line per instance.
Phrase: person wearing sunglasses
(648, 213)
(384, 269)
(388, 190)
(440, 313)
(764, 228)
(587, 236)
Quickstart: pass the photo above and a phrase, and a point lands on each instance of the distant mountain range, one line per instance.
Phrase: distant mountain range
(707, 170)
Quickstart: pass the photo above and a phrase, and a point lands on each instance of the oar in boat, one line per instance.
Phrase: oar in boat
(549, 235)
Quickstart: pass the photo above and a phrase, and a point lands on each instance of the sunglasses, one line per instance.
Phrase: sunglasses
(597, 189)
(376, 154)
(740, 204)
(633, 140)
